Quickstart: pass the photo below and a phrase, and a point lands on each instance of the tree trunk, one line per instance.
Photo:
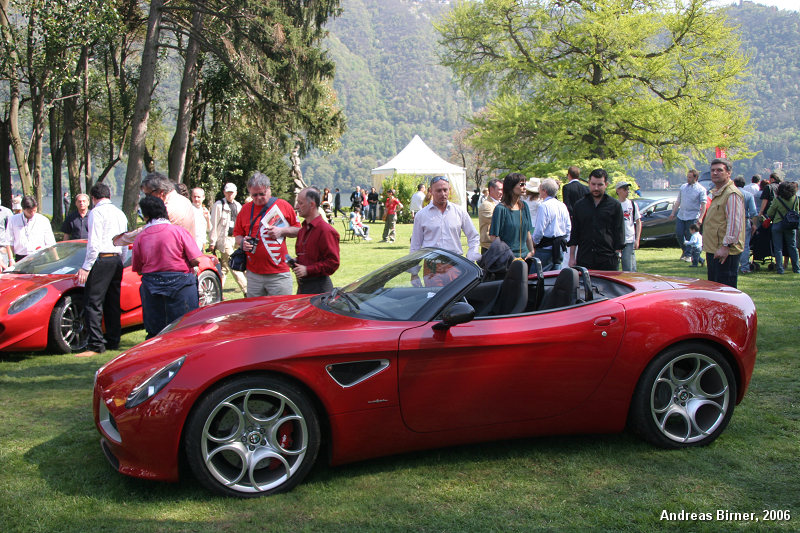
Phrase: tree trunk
(180, 140)
(13, 105)
(57, 157)
(141, 113)
(70, 143)
(87, 151)
(5, 164)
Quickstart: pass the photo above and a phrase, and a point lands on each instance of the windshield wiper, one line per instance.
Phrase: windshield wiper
(351, 303)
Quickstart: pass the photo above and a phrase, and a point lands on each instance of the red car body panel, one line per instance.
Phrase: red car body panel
(28, 329)
(553, 372)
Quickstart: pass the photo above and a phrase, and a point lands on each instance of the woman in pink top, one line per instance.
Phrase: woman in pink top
(164, 254)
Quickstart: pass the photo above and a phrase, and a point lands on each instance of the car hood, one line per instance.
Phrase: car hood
(13, 284)
(223, 329)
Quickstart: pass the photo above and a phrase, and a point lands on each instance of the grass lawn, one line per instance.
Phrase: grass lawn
(54, 477)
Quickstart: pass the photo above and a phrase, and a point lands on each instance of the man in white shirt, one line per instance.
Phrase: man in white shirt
(690, 207)
(552, 228)
(101, 273)
(440, 223)
(29, 231)
(202, 220)
(223, 218)
(632, 222)
(416, 199)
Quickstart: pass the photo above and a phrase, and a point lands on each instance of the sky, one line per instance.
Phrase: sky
(794, 5)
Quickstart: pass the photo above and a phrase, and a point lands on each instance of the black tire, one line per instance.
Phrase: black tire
(685, 397)
(67, 330)
(279, 434)
(209, 288)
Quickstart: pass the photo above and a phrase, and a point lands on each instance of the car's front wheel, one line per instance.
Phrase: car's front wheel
(252, 436)
(685, 397)
(209, 288)
(67, 330)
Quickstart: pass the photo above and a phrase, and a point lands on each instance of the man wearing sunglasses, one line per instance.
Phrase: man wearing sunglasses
(261, 229)
(440, 223)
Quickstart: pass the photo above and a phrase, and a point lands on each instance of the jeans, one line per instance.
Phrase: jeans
(726, 273)
(682, 233)
(694, 252)
(373, 209)
(744, 261)
(166, 296)
(784, 239)
(545, 255)
(628, 258)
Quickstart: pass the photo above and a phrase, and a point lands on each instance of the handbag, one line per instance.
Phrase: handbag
(238, 259)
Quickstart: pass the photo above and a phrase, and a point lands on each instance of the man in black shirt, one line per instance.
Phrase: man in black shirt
(372, 198)
(574, 190)
(76, 225)
(598, 227)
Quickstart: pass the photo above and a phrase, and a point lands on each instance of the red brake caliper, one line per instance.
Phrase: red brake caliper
(285, 440)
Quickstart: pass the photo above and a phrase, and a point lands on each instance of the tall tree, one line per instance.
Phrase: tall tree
(634, 80)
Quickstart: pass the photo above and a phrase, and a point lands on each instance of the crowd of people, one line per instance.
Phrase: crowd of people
(518, 216)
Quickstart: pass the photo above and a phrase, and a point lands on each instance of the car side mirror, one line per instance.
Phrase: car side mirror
(457, 313)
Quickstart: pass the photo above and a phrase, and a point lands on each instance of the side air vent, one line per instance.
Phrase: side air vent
(353, 373)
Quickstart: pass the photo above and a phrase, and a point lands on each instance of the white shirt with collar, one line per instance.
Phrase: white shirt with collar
(26, 236)
(434, 228)
(105, 221)
(552, 220)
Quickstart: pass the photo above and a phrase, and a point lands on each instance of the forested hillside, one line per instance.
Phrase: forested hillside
(391, 86)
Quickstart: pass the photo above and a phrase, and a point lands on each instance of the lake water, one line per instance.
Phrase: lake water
(46, 207)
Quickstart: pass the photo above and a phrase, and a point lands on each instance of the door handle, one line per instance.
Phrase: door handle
(603, 321)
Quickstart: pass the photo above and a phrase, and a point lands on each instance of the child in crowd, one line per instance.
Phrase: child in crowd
(694, 246)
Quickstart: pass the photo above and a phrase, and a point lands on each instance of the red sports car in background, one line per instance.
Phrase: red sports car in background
(41, 303)
(419, 354)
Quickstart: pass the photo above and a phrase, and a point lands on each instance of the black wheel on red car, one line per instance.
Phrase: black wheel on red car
(209, 288)
(67, 331)
(252, 436)
(685, 397)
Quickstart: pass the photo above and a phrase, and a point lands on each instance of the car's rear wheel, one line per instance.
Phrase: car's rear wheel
(252, 436)
(67, 330)
(685, 397)
(209, 288)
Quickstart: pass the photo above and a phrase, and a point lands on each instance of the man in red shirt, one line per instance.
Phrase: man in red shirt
(261, 229)
(392, 205)
(317, 247)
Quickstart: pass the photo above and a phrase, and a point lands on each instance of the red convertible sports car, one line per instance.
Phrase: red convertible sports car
(41, 303)
(424, 353)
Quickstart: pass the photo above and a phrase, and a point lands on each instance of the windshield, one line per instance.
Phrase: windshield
(61, 258)
(400, 289)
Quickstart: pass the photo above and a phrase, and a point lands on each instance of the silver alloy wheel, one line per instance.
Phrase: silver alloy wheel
(209, 289)
(254, 440)
(67, 328)
(690, 398)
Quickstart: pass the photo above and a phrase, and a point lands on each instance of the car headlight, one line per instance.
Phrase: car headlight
(26, 301)
(150, 387)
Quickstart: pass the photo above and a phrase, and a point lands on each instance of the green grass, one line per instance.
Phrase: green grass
(53, 476)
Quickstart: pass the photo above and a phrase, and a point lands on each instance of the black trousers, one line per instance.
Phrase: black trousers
(314, 285)
(726, 273)
(101, 301)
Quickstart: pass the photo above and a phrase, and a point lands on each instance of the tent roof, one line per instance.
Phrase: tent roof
(417, 158)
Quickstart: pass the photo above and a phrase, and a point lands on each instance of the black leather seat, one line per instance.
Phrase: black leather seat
(513, 295)
(564, 291)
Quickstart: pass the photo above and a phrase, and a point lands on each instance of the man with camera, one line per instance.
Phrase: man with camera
(261, 229)
(317, 247)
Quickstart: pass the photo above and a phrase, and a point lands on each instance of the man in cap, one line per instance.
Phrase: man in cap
(223, 219)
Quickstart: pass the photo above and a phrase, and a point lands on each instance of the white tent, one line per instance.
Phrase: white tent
(417, 158)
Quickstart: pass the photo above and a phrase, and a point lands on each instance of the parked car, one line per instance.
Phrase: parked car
(423, 353)
(41, 303)
(656, 225)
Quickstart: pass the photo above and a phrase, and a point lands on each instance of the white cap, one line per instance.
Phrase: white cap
(229, 187)
(532, 184)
